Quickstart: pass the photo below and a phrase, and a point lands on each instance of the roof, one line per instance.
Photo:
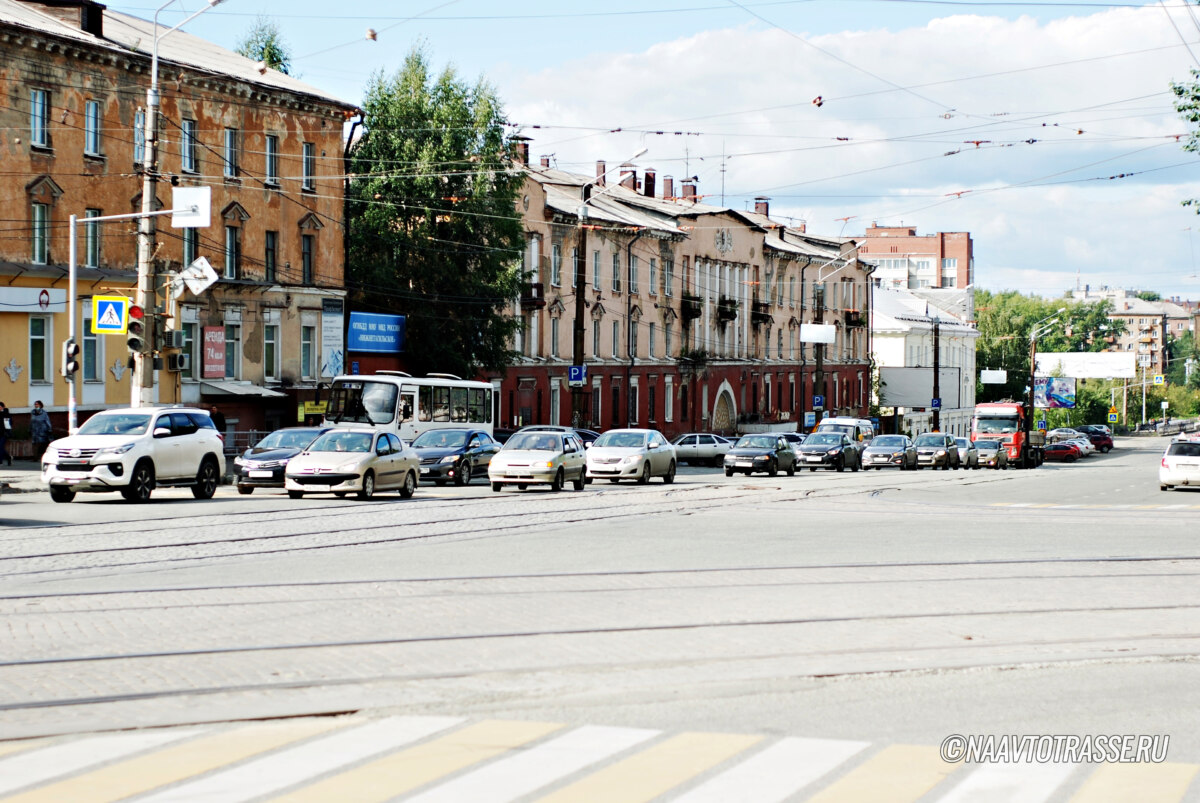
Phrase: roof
(125, 34)
(214, 387)
(1131, 305)
(902, 311)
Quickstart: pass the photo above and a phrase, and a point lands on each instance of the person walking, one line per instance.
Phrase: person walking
(39, 430)
(5, 432)
(218, 418)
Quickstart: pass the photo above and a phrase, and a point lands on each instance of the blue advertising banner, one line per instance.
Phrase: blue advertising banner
(378, 334)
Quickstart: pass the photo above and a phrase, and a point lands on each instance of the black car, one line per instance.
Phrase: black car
(890, 450)
(832, 450)
(262, 465)
(454, 454)
(767, 451)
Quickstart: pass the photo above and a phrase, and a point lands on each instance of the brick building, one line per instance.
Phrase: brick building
(908, 261)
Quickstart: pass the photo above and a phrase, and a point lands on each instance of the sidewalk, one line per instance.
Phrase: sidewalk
(23, 476)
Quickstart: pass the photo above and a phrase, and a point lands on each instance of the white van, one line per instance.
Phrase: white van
(860, 430)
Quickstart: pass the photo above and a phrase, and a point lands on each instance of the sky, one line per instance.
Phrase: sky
(1046, 130)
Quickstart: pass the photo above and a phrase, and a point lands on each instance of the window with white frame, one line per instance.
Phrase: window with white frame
(669, 399)
(189, 349)
(633, 338)
(233, 252)
(91, 128)
(271, 352)
(791, 291)
(308, 340)
(272, 154)
(91, 239)
(633, 400)
(652, 279)
(556, 264)
(616, 340)
(596, 270)
(595, 338)
(554, 337)
(40, 229)
(668, 277)
(139, 137)
(39, 118)
(650, 342)
(667, 343)
(616, 272)
(309, 167)
(187, 147)
(633, 274)
(229, 154)
(39, 349)
(233, 351)
(572, 268)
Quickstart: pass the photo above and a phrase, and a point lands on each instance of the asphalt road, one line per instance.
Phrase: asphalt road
(874, 607)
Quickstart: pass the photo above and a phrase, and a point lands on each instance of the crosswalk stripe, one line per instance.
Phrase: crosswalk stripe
(1117, 783)
(173, 763)
(897, 774)
(775, 773)
(269, 774)
(39, 766)
(655, 770)
(7, 748)
(392, 775)
(532, 769)
(1001, 783)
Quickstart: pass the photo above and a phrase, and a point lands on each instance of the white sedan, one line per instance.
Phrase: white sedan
(631, 454)
(1084, 444)
(1180, 465)
(701, 447)
(358, 461)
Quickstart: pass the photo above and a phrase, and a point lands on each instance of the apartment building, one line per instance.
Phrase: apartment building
(910, 261)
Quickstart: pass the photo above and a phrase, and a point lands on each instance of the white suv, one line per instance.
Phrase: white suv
(136, 450)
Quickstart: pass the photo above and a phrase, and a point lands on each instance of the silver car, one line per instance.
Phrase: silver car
(992, 454)
(631, 454)
(359, 461)
(701, 448)
(968, 455)
(539, 457)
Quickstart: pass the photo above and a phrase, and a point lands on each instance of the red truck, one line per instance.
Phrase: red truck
(1011, 424)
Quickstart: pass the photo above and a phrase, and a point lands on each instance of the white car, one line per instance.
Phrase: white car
(1180, 465)
(631, 454)
(1085, 445)
(701, 447)
(135, 451)
(533, 457)
(353, 460)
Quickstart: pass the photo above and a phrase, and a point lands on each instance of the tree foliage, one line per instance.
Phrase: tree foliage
(264, 43)
(432, 229)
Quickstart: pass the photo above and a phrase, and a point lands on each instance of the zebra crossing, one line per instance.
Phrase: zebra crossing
(454, 759)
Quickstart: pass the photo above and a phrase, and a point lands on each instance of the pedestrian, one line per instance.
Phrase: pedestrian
(5, 432)
(218, 419)
(39, 429)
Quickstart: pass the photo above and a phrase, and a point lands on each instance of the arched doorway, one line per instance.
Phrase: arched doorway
(723, 411)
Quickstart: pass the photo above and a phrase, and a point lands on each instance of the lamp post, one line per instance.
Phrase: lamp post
(1027, 460)
(142, 377)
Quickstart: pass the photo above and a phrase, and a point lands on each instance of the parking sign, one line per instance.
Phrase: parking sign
(818, 402)
(576, 376)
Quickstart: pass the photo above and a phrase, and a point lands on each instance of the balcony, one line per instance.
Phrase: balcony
(690, 308)
(727, 309)
(760, 314)
(854, 318)
(533, 296)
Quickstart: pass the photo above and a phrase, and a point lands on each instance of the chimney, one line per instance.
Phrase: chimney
(648, 183)
(600, 171)
(689, 189)
(802, 227)
(668, 187)
(762, 206)
(545, 161)
(522, 155)
(628, 177)
(86, 15)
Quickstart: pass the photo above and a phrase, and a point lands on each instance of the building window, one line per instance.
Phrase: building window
(595, 338)
(779, 344)
(633, 271)
(270, 255)
(230, 154)
(308, 339)
(39, 115)
(139, 137)
(91, 128)
(668, 276)
(653, 278)
(233, 351)
(556, 264)
(554, 337)
(272, 176)
(616, 272)
(633, 403)
(949, 264)
(39, 349)
(271, 352)
(650, 343)
(596, 270)
(667, 342)
(41, 233)
(189, 349)
(306, 258)
(187, 147)
(616, 340)
(307, 181)
(191, 242)
(91, 354)
(233, 252)
(668, 399)
(91, 239)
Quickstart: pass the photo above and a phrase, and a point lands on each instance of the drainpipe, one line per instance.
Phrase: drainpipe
(629, 324)
(803, 350)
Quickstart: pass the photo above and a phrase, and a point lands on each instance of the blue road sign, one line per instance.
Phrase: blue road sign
(1112, 418)
(936, 404)
(1042, 424)
(576, 376)
(110, 315)
(818, 402)
(810, 419)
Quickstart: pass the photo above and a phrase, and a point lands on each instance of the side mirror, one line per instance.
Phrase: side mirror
(652, 445)
(162, 432)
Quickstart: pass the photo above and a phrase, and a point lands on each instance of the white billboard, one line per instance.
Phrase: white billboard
(818, 333)
(1087, 364)
(993, 377)
(913, 387)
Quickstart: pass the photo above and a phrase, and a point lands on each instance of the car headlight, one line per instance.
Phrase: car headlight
(353, 466)
(941, 453)
(115, 449)
(629, 461)
(450, 458)
(237, 461)
(544, 464)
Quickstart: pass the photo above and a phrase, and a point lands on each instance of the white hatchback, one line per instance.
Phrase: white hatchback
(1180, 465)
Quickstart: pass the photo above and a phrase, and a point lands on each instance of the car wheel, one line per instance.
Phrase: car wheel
(614, 480)
(463, 475)
(791, 471)
(141, 483)
(728, 472)
(245, 490)
(857, 465)
(841, 463)
(206, 480)
(340, 494)
(1161, 488)
(521, 486)
(556, 484)
(61, 493)
(1106, 449)
(497, 487)
(669, 477)
(295, 494)
(645, 478)
(586, 479)
(578, 483)
(772, 469)
(368, 486)
(812, 469)
(409, 487)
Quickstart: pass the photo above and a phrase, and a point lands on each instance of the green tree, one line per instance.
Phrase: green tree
(432, 230)
(264, 43)
(1149, 295)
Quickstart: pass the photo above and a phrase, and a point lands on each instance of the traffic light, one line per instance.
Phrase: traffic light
(70, 357)
(137, 333)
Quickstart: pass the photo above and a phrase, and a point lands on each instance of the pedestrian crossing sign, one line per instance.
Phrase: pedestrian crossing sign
(1112, 418)
(110, 315)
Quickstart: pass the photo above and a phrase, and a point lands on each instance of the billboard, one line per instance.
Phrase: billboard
(374, 333)
(818, 333)
(1054, 392)
(1087, 364)
(993, 377)
(913, 387)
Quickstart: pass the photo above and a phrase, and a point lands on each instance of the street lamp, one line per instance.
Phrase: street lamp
(1050, 322)
(142, 377)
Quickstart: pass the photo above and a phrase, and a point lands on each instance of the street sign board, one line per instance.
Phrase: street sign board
(576, 376)
(1159, 379)
(1165, 405)
(810, 419)
(197, 276)
(936, 404)
(818, 402)
(191, 207)
(1041, 424)
(1112, 410)
(1112, 418)
(110, 315)
(993, 377)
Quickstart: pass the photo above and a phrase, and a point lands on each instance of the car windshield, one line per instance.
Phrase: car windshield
(1183, 449)
(621, 440)
(987, 445)
(823, 439)
(963, 443)
(121, 424)
(287, 439)
(342, 442)
(440, 439)
(889, 442)
(841, 428)
(534, 442)
(929, 439)
(756, 442)
(996, 426)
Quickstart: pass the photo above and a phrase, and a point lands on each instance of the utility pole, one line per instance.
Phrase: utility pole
(579, 394)
(819, 348)
(937, 365)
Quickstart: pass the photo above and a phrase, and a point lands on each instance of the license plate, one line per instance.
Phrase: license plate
(813, 459)
(258, 473)
(746, 463)
(317, 487)
(424, 471)
(880, 459)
